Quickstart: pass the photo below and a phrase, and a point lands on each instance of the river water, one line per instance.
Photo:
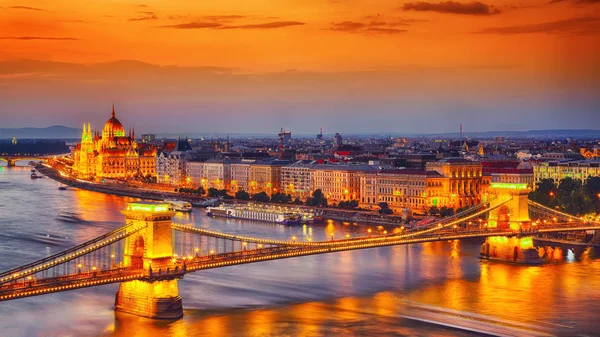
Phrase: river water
(355, 293)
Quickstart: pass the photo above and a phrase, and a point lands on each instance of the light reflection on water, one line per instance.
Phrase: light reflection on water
(356, 293)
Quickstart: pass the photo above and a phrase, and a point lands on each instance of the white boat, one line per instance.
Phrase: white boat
(180, 206)
(261, 212)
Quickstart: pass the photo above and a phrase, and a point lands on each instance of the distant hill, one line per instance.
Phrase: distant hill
(51, 132)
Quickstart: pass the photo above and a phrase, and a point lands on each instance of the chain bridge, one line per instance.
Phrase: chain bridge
(149, 254)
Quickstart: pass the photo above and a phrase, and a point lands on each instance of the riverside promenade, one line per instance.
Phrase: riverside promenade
(346, 215)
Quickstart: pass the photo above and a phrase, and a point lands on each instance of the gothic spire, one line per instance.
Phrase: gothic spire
(113, 109)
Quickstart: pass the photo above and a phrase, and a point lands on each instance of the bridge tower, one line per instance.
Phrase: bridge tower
(151, 250)
(515, 213)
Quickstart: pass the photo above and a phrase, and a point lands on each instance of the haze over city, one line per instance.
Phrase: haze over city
(348, 66)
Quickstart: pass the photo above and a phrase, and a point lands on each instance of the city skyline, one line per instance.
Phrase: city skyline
(348, 66)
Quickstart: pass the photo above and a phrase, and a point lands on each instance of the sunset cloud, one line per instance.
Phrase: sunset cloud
(217, 25)
(372, 27)
(267, 25)
(146, 16)
(452, 7)
(28, 8)
(579, 2)
(25, 38)
(573, 26)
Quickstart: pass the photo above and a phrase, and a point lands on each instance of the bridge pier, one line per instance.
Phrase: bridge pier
(150, 250)
(159, 299)
(11, 162)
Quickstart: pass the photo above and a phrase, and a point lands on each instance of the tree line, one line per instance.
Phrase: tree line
(317, 199)
(569, 195)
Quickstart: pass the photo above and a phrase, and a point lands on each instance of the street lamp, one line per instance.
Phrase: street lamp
(369, 231)
(331, 234)
(294, 238)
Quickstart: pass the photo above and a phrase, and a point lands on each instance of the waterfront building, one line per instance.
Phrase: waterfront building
(296, 179)
(217, 174)
(195, 172)
(171, 166)
(558, 170)
(240, 175)
(265, 176)
(411, 190)
(112, 153)
(464, 180)
(339, 182)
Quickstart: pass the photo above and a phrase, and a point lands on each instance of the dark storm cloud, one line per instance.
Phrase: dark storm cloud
(573, 26)
(25, 38)
(452, 7)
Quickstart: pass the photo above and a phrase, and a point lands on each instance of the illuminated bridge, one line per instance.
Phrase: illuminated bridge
(149, 254)
(12, 160)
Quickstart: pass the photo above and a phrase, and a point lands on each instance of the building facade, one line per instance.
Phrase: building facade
(413, 189)
(464, 180)
(171, 166)
(297, 179)
(240, 176)
(339, 182)
(112, 154)
(558, 170)
(265, 176)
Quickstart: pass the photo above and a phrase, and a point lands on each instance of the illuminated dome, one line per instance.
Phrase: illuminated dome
(113, 127)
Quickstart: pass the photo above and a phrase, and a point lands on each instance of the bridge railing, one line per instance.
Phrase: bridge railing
(93, 254)
(545, 210)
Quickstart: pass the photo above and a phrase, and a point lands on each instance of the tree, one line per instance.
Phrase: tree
(200, 191)
(545, 193)
(261, 197)
(348, 204)
(317, 200)
(213, 192)
(434, 211)
(446, 211)
(572, 198)
(281, 198)
(297, 201)
(384, 208)
(592, 191)
(242, 195)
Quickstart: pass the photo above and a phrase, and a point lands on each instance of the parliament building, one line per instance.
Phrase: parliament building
(112, 154)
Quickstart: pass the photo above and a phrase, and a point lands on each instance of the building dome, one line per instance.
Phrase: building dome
(113, 127)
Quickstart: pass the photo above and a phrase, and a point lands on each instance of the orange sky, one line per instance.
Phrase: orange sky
(309, 34)
(542, 47)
